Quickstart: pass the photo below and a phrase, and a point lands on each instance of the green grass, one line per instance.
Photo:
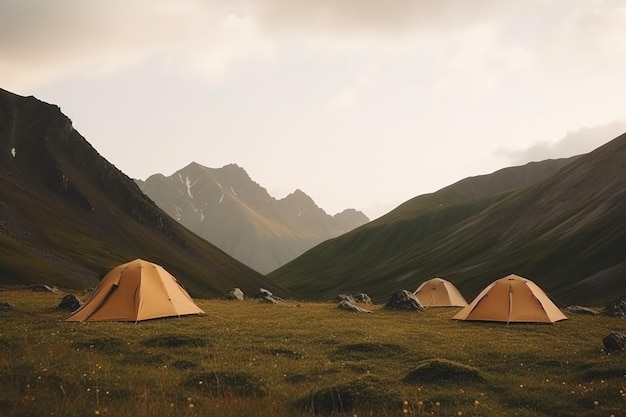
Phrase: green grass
(305, 359)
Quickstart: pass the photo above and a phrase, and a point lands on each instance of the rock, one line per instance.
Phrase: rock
(348, 306)
(41, 288)
(233, 294)
(6, 306)
(361, 297)
(70, 303)
(616, 308)
(582, 310)
(266, 296)
(404, 300)
(614, 342)
(355, 297)
(344, 297)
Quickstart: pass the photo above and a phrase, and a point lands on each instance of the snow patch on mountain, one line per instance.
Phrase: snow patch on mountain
(189, 185)
(187, 182)
(13, 152)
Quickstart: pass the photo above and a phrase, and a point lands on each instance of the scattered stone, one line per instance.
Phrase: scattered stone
(233, 294)
(355, 297)
(6, 306)
(361, 297)
(616, 308)
(614, 342)
(70, 303)
(41, 288)
(582, 310)
(348, 306)
(344, 297)
(404, 300)
(266, 296)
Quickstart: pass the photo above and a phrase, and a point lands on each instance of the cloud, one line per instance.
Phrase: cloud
(41, 41)
(366, 16)
(576, 142)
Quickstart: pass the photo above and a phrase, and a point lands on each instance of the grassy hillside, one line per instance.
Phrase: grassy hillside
(245, 358)
(565, 231)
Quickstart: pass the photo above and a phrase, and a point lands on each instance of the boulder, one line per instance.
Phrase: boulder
(41, 288)
(404, 300)
(344, 297)
(70, 303)
(614, 342)
(266, 296)
(616, 308)
(355, 297)
(582, 310)
(348, 306)
(233, 294)
(361, 297)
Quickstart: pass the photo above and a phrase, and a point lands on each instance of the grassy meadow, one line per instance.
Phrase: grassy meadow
(303, 359)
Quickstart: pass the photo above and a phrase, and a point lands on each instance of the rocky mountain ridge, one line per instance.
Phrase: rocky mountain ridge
(230, 210)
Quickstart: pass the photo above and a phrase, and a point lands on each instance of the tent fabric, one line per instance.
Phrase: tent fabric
(438, 292)
(135, 291)
(512, 299)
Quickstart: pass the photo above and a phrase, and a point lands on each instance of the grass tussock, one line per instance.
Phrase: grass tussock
(369, 351)
(438, 371)
(368, 393)
(265, 360)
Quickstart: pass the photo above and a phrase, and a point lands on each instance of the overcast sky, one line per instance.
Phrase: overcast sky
(359, 103)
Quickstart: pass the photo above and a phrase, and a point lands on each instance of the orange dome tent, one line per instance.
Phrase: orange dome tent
(437, 292)
(135, 291)
(512, 299)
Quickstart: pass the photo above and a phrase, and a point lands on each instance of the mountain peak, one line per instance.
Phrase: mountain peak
(299, 196)
(227, 208)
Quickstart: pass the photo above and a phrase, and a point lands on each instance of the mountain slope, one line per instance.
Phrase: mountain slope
(67, 215)
(566, 232)
(227, 208)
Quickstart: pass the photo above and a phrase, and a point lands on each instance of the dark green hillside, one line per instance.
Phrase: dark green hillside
(566, 232)
(67, 215)
(480, 186)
